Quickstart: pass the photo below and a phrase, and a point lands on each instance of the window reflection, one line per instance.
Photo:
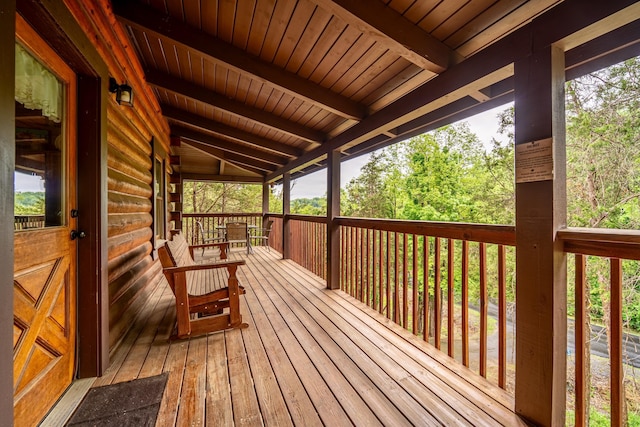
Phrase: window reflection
(39, 165)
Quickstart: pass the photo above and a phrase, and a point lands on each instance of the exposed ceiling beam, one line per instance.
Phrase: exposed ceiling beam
(221, 178)
(228, 131)
(236, 160)
(491, 65)
(198, 93)
(394, 32)
(148, 19)
(228, 146)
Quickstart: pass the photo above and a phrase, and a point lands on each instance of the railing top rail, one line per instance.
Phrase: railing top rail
(274, 215)
(308, 218)
(497, 234)
(220, 215)
(623, 244)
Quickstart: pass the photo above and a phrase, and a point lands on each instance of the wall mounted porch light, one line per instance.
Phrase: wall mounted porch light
(124, 93)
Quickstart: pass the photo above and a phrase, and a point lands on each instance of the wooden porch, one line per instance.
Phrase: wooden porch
(309, 357)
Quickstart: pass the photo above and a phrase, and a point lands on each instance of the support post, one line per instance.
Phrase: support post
(286, 209)
(265, 201)
(93, 296)
(333, 211)
(541, 294)
(7, 167)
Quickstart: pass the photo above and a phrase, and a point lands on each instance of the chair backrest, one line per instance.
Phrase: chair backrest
(236, 231)
(201, 229)
(267, 228)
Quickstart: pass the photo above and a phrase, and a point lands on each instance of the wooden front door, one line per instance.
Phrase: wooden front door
(44, 284)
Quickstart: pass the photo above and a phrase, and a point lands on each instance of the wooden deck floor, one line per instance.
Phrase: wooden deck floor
(309, 357)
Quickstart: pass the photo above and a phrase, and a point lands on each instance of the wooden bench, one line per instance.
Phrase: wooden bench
(207, 295)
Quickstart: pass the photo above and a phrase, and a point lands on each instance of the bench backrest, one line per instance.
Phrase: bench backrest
(175, 253)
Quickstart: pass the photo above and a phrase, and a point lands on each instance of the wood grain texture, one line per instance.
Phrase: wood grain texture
(306, 358)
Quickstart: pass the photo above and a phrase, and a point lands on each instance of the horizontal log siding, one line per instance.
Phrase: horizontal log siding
(133, 274)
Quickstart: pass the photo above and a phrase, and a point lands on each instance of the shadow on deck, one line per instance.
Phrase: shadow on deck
(309, 357)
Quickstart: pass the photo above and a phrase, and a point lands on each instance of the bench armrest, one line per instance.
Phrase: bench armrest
(221, 264)
(224, 246)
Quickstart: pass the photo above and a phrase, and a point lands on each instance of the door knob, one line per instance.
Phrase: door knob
(78, 234)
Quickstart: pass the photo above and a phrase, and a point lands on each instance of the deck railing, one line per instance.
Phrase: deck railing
(591, 246)
(212, 220)
(451, 284)
(23, 222)
(418, 275)
(309, 247)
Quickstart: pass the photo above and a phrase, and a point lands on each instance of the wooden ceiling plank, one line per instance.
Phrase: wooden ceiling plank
(233, 158)
(195, 92)
(259, 26)
(493, 64)
(307, 41)
(461, 17)
(139, 16)
(440, 13)
(228, 131)
(227, 146)
(387, 27)
(515, 18)
(322, 52)
(299, 25)
(242, 23)
(480, 24)
(280, 19)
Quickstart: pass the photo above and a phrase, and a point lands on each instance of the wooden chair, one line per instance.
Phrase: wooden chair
(237, 232)
(206, 237)
(264, 236)
(207, 295)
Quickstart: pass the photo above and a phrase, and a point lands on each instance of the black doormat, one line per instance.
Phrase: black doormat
(133, 403)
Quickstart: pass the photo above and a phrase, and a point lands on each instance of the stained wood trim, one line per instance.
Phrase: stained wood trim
(228, 146)
(239, 160)
(7, 166)
(394, 32)
(212, 126)
(147, 19)
(333, 229)
(197, 93)
(541, 329)
(464, 77)
(497, 234)
(286, 223)
(93, 319)
(220, 178)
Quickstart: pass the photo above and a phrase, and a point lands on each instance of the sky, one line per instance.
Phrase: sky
(484, 125)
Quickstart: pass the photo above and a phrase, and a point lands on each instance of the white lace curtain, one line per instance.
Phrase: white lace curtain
(36, 87)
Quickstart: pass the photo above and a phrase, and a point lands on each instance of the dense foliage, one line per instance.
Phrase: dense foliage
(29, 203)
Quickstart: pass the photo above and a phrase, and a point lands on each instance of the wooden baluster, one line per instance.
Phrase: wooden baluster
(502, 317)
(483, 309)
(465, 303)
(414, 284)
(367, 261)
(388, 309)
(450, 299)
(405, 282)
(582, 333)
(396, 284)
(374, 267)
(615, 351)
(425, 287)
(437, 297)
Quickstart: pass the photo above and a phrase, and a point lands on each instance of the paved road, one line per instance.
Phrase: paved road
(630, 350)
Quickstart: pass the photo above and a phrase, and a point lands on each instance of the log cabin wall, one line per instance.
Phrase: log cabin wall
(132, 273)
